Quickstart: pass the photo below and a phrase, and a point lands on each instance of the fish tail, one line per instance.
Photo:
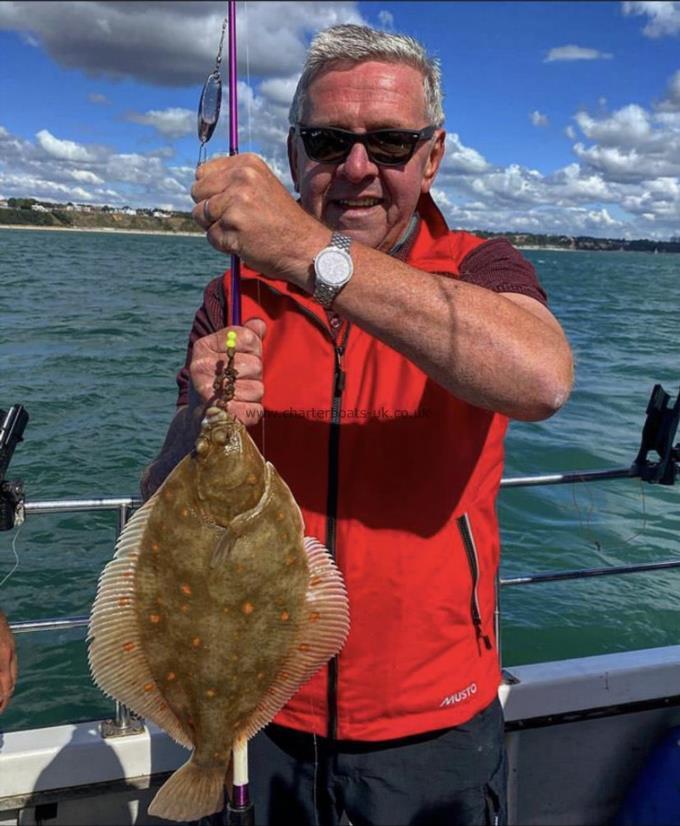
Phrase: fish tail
(190, 793)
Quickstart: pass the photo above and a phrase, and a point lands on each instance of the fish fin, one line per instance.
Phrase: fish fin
(322, 635)
(240, 524)
(190, 793)
(117, 661)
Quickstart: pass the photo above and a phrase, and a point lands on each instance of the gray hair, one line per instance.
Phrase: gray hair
(349, 43)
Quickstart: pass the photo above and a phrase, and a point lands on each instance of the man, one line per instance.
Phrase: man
(393, 361)
(8, 663)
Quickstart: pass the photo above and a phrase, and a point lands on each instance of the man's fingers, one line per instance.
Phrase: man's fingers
(247, 390)
(246, 412)
(258, 326)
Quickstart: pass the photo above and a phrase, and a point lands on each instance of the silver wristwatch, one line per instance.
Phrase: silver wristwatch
(333, 268)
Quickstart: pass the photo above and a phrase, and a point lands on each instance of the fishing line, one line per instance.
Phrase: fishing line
(585, 521)
(249, 120)
(16, 557)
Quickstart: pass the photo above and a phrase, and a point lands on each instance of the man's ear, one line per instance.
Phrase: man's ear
(293, 159)
(434, 160)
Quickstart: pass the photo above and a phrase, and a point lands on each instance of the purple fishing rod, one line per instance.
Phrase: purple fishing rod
(233, 150)
(240, 811)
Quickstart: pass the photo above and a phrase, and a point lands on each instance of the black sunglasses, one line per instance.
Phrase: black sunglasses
(386, 147)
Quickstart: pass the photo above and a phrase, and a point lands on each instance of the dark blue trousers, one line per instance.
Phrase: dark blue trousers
(451, 777)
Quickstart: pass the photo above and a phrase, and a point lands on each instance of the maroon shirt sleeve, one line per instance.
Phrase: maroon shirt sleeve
(498, 266)
(210, 317)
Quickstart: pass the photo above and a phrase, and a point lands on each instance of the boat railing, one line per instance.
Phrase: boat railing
(124, 506)
(124, 722)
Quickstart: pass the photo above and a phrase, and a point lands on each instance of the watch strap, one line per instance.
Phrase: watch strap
(323, 293)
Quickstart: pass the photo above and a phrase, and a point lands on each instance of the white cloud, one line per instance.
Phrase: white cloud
(664, 15)
(172, 44)
(671, 102)
(62, 149)
(572, 52)
(84, 176)
(538, 118)
(629, 126)
(462, 159)
(171, 123)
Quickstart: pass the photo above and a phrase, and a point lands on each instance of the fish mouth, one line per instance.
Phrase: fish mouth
(218, 427)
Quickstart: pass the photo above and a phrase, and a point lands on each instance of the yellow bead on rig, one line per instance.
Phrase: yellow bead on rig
(231, 340)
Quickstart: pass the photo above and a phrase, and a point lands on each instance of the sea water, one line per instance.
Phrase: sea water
(93, 329)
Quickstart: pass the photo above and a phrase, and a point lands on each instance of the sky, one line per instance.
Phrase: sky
(561, 117)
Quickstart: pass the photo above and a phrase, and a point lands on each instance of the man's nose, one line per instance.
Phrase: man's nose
(357, 165)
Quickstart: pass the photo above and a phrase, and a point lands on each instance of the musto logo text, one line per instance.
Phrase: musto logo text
(459, 696)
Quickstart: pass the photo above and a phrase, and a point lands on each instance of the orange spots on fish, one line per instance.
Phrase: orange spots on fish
(184, 608)
(247, 608)
(123, 602)
(304, 647)
(154, 618)
(170, 676)
(185, 588)
(148, 687)
(291, 559)
(184, 512)
(128, 574)
(155, 547)
(260, 675)
(225, 610)
(240, 568)
(280, 516)
(314, 581)
(219, 755)
(251, 479)
(128, 647)
(197, 642)
(284, 675)
(314, 616)
(162, 706)
(285, 616)
(210, 693)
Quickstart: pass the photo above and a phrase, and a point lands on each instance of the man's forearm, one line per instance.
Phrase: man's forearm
(506, 354)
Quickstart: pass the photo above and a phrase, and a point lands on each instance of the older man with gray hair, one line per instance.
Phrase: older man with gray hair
(396, 350)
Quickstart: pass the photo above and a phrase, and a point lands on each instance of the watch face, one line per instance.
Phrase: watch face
(333, 266)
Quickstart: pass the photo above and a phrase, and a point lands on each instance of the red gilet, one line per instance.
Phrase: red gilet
(414, 473)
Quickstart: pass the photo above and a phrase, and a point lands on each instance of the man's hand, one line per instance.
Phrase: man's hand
(247, 211)
(8, 663)
(249, 388)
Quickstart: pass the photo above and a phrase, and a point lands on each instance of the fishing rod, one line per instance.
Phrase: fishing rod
(240, 810)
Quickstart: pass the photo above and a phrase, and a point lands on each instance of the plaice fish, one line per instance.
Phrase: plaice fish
(214, 609)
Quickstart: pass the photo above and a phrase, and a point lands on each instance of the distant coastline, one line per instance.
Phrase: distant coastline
(107, 230)
(28, 213)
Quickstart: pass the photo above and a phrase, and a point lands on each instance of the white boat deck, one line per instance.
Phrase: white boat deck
(578, 732)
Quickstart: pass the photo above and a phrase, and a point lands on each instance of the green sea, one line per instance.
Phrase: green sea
(93, 328)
